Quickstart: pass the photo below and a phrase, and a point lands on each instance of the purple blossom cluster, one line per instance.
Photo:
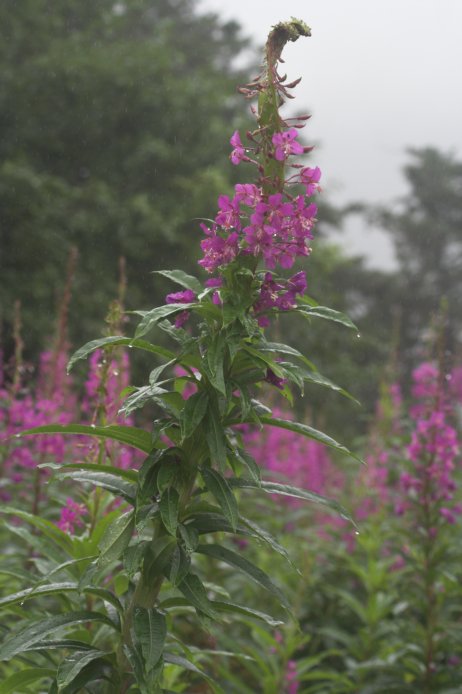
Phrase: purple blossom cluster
(274, 228)
(20, 409)
(51, 395)
(432, 452)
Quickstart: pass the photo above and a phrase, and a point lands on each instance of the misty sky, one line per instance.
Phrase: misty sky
(377, 76)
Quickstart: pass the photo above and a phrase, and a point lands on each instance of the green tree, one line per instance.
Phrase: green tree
(426, 229)
(104, 146)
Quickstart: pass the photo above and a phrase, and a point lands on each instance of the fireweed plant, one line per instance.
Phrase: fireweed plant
(152, 551)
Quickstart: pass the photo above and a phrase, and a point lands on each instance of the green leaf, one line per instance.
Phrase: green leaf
(309, 432)
(49, 529)
(115, 341)
(158, 556)
(181, 278)
(219, 487)
(214, 359)
(33, 633)
(318, 379)
(250, 463)
(151, 318)
(193, 413)
(103, 479)
(262, 534)
(131, 436)
(295, 492)
(188, 665)
(327, 314)
(190, 537)
(116, 538)
(139, 397)
(180, 563)
(204, 523)
(215, 435)
(72, 665)
(14, 683)
(262, 357)
(94, 671)
(150, 629)
(239, 562)
(231, 607)
(169, 506)
(129, 475)
(281, 348)
(193, 590)
(49, 589)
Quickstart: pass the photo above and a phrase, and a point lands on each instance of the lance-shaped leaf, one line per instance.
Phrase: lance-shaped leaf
(327, 314)
(130, 475)
(16, 683)
(150, 631)
(169, 506)
(232, 608)
(244, 565)
(33, 633)
(139, 397)
(295, 492)
(216, 438)
(319, 379)
(28, 593)
(249, 462)
(219, 487)
(131, 436)
(214, 359)
(179, 566)
(151, 318)
(113, 483)
(281, 348)
(193, 590)
(73, 664)
(309, 432)
(262, 534)
(116, 538)
(115, 341)
(193, 413)
(49, 529)
(181, 278)
(188, 665)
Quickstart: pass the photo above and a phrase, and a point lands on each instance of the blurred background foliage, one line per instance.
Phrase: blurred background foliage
(115, 122)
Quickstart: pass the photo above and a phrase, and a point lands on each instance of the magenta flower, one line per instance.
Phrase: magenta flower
(71, 516)
(310, 179)
(185, 297)
(217, 250)
(284, 144)
(238, 153)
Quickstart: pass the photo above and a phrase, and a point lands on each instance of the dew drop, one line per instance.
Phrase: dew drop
(356, 532)
(115, 373)
(21, 604)
(358, 335)
(93, 426)
(17, 436)
(448, 377)
(130, 346)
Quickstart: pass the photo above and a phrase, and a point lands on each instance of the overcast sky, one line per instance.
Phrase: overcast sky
(378, 76)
